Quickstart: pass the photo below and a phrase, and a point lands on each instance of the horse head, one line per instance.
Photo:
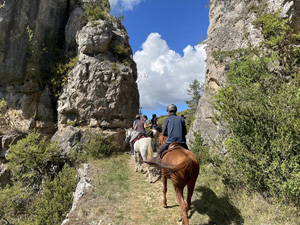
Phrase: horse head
(129, 133)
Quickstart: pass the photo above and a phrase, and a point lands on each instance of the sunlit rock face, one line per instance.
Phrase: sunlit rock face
(101, 90)
(230, 28)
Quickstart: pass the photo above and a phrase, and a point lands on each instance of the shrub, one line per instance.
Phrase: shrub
(13, 203)
(115, 67)
(200, 149)
(31, 159)
(96, 147)
(56, 199)
(122, 50)
(60, 75)
(261, 112)
(95, 10)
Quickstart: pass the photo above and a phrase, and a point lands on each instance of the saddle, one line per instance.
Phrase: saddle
(140, 136)
(172, 146)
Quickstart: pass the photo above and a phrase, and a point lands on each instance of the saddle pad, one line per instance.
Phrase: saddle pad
(138, 138)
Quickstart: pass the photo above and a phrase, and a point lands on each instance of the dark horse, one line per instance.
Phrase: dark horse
(182, 167)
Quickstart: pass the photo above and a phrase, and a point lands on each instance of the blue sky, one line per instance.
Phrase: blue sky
(164, 37)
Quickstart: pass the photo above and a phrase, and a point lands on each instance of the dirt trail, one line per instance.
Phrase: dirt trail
(133, 201)
(145, 201)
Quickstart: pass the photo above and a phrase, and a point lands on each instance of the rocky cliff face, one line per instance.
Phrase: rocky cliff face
(230, 28)
(100, 91)
(26, 27)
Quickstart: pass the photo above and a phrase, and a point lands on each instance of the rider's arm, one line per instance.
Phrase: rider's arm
(184, 132)
(164, 128)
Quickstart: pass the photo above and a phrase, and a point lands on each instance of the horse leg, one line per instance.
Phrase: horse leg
(191, 186)
(149, 174)
(136, 160)
(164, 180)
(140, 162)
(182, 207)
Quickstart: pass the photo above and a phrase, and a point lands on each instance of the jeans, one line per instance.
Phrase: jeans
(134, 136)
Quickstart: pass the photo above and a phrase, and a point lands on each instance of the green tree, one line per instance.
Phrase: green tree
(195, 90)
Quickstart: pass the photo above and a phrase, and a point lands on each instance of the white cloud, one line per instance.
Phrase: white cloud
(164, 75)
(126, 4)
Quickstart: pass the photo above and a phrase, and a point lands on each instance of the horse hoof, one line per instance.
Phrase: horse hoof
(165, 206)
(180, 219)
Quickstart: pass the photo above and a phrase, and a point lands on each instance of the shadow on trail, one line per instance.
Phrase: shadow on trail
(172, 206)
(220, 210)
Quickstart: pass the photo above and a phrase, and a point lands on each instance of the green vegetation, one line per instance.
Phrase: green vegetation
(55, 200)
(260, 108)
(38, 194)
(200, 149)
(115, 67)
(97, 147)
(117, 11)
(3, 108)
(122, 50)
(60, 75)
(29, 160)
(95, 10)
(195, 90)
(42, 55)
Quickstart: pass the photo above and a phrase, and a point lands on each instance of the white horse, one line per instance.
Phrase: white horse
(155, 135)
(143, 150)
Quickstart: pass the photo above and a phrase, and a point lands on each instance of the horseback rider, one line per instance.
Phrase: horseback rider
(154, 122)
(174, 129)
(137, 118)
(140, 127)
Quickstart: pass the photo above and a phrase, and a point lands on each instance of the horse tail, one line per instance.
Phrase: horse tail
(159, 165)
(150, 149)
(190, 163)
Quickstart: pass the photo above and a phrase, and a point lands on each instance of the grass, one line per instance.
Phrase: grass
(122, 196)
(214, 204)
(110, 180)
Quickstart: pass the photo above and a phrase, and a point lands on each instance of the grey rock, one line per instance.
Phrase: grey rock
(95, 37)
(74, 24)
(4, 175)
(230, 28)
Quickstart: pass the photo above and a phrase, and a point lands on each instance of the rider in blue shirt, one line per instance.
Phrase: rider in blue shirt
(174, 128)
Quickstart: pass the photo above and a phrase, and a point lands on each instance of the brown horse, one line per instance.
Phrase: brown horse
(182, 167)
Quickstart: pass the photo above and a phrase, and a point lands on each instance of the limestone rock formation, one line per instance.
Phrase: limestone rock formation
(26, 27)
(101, 90)
(230, 28)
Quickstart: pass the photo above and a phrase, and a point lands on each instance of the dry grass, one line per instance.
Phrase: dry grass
(123, 197)
(213, 204)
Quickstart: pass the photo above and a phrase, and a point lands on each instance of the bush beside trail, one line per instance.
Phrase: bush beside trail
(259, 106)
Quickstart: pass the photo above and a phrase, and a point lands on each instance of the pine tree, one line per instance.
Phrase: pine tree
(195, 90)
